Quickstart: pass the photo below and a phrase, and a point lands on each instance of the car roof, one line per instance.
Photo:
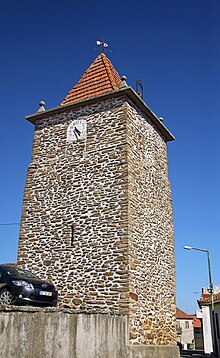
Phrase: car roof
(8, 265)
(4, 266)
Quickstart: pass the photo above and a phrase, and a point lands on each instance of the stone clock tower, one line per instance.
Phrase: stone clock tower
(97, 210)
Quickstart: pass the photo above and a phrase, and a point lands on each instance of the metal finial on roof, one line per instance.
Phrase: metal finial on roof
(42, 108)
(123, 82)
(139, 84)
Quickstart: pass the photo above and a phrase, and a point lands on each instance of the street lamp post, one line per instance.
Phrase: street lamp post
(209, 264)
(211, 288)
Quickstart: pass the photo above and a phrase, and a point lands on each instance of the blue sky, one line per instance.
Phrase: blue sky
(173, 46)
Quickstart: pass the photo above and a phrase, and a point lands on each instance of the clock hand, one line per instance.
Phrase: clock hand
(77, 132)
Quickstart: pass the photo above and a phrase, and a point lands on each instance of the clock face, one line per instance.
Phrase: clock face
(76, 130)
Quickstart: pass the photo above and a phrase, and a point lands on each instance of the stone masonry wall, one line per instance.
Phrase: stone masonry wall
(83, 184)
(151, 236)
(97, 217)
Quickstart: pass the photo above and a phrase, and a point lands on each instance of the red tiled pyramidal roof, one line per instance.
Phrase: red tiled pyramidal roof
(99, 78)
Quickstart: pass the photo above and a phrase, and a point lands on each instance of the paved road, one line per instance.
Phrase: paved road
(195, 354)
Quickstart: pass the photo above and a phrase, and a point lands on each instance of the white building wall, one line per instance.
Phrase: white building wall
(207, 334)
(187, 335)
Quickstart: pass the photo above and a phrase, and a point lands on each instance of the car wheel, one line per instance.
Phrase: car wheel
(5, 297)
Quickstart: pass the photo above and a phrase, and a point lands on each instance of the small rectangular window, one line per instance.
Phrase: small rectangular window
(186, 324)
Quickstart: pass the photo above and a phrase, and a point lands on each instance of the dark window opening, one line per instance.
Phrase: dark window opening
(217, 325)
(72, 234)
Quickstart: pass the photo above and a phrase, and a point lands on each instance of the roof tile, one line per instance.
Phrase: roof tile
(207, 298)
(99, 78)
(196, 321)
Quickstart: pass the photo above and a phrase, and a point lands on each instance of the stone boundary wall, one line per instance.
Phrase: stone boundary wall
(29, 332)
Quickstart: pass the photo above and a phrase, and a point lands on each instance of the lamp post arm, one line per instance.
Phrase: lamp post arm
(198, 249)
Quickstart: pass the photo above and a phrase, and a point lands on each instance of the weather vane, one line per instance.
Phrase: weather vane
(103, 44)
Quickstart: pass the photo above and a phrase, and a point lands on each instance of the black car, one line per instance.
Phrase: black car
(19, 287)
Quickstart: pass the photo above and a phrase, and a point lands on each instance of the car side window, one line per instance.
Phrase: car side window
(0, 275)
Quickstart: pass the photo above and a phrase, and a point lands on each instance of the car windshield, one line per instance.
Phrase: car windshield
(13, 271)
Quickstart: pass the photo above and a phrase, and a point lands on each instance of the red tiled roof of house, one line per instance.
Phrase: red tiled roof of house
(180, 314)
(205, 295)
(196, 321)
(207, 299)
(100, 77)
